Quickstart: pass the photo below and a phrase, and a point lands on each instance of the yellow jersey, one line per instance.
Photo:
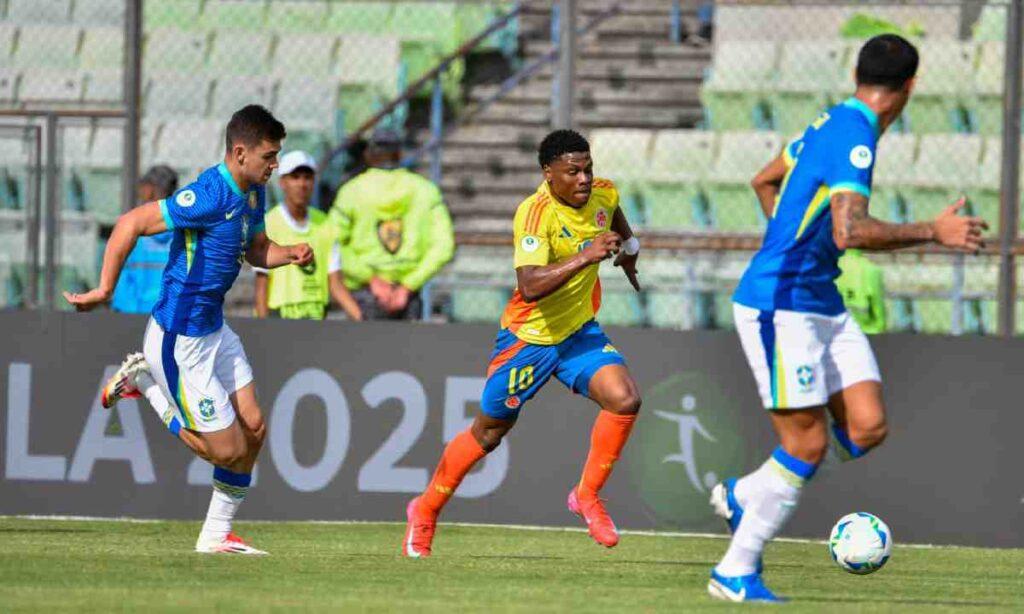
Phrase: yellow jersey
(547, 231)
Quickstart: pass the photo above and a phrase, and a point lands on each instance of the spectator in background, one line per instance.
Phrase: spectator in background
(395, 232)
(139, 286)
(863, 291)
(302, 292)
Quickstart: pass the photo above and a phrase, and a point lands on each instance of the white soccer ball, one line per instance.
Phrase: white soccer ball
(860, 543)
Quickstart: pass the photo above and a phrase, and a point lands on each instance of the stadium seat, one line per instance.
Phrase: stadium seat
(225, 58)
(428, 32)
(250, 15)
(943, 86)
(305, 54)
(14, 158)
(178, 14)
(478, 304)
(104, 86)
(359, 17)
(9, 85)
(984, 194)
(621, 306)
(736, 90)
(190, 144)
(370, 60)
(297, 17)
(986, 102)
(172, 49)
(991, 24)
(893, 164)
(671, 188)
(47, 47)
(74, 143)
(102, 48)
(934, 316)
(741, 155)
(7, 36)
(619, 154)
(668, 309)
(99, 13)
(38, 11)
(231, 93)
(946, 166)
(309, 109)
(476, 17)
(176, 94)
(808, 74)
(51, 86)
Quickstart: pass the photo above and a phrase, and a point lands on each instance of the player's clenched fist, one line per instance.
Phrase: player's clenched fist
(959, 232)
(301, 254)
(604, 246)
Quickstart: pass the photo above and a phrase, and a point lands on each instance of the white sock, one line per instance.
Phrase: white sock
(156, 396)
(772, 492)
(229, 490)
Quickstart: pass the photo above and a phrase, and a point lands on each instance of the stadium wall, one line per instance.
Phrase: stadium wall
(357, 414)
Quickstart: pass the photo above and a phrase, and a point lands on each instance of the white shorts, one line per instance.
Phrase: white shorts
(199, 373)
(801, 359)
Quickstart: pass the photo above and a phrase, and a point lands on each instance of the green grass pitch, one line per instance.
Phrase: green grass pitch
(49, 565)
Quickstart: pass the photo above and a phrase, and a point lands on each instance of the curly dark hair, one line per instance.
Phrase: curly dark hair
(558, 143)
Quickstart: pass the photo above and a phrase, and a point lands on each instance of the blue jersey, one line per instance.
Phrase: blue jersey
(213, 223)
(798, 263)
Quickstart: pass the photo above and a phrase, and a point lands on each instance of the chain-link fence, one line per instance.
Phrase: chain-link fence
(683, 101)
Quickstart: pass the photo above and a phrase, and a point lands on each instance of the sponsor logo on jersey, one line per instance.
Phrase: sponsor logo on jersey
(206, 411)
(860, 156)
(389, 232)
(601, 218)
(609, 349)
(185, 198)
(512, 402)
(530, 244)
(230, 214)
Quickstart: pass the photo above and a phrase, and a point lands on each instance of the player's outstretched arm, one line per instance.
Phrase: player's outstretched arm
(536, 282)
(265, 254)
(767, 184)
(143, 220)
(625, 259)
(853, 227)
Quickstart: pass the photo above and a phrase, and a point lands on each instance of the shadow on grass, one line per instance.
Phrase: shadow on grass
(933, 602)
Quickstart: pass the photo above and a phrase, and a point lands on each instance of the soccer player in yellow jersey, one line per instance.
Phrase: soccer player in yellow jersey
(562, 233)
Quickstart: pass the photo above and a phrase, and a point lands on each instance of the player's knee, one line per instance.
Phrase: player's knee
(625, 403)
(229, 454)
(810, 448)
(871, 435)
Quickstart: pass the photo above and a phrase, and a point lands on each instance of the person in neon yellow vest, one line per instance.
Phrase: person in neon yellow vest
(395, 232)
(863, 291)
(302, 293)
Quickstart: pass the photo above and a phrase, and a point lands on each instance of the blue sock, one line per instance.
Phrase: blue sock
(847, 449)
(796, 471)
(230, 483)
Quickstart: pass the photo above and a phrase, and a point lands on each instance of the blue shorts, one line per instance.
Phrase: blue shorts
(518, 369)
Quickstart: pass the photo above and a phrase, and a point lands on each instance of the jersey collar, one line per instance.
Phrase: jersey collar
(226, 174)
(868, 112)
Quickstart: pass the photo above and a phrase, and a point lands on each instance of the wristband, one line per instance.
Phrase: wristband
(631, 246)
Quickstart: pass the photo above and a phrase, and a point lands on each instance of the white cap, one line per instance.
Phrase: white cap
(295, 160)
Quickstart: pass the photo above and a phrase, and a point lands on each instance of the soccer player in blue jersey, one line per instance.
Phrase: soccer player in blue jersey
(808, 356)
(189, 353)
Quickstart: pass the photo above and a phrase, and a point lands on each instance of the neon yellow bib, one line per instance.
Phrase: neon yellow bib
(290, 287)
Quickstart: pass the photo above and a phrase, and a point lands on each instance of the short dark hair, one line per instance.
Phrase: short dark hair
(251, 125)
(559, 143)
(163, 178)
(887, 60)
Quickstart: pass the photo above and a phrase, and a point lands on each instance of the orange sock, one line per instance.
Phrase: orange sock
(459, 457)
(606, 442)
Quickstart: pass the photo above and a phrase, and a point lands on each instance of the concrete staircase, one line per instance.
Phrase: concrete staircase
(629, 75)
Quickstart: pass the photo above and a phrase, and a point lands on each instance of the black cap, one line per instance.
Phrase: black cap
(386, 138)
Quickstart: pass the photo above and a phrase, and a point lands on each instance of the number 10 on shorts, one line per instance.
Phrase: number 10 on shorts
(520, 379)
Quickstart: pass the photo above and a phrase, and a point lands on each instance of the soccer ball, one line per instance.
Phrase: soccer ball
(860, 543)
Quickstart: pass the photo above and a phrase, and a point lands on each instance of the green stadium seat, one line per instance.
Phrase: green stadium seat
(38, 11)
(946, 166)
(476, 17)
(305, 54)
(52, 85)
(991, 24)
(250, 15)
(78, 246)
(99, 13)
(101, 190)
(478, 304)
(53, 47)
(668, 309)
(986, 103)
(943, 86)
(309, 109)
(172, 49)
(190, 143)
(370, 60)
(102, 48)
(740, 77)
(231, 93)
(620, 154)
(9, 85)
(893, 163)
(808, 74)
(935, 316)
(225, 59)
(428, 32)
(14, 157)
(176, 94)
(74, 143)
(671, 188)
(621, 307)
(984, 195)
(104, 86)
(359, 17)
(297, 17)
(741, 155)
(7, 36)
(177, 14)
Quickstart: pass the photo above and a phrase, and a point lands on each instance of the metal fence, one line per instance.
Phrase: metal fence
(683, 102)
